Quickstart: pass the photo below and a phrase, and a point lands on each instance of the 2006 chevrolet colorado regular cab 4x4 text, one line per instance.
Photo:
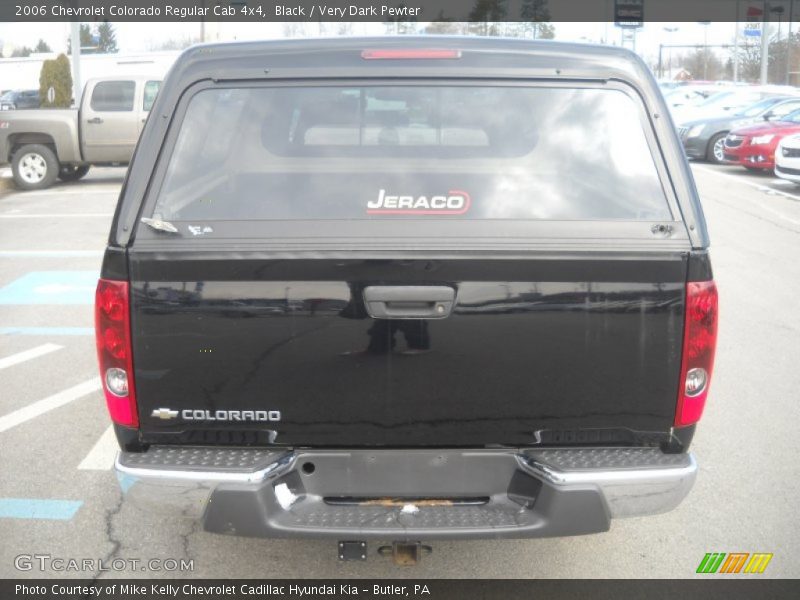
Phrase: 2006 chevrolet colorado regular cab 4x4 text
(407, 289)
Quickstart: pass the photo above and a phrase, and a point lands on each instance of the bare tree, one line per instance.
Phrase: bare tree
(293, 29)
(21, 52)
(781, 51)
(703, 64)
(443, 25)
(173, 44)
(537, 15)
(486, 17)
(749, 62)
(402, 25)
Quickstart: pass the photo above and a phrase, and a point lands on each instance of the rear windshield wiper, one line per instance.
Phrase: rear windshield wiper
(160, 225)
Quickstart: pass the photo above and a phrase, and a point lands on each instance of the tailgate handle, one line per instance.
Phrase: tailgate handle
(409, 301)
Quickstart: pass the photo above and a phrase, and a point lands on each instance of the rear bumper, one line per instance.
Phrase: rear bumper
(405, 494)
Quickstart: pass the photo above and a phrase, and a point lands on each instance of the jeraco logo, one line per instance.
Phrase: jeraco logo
(456, 202)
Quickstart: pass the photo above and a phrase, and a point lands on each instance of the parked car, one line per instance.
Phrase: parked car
(46, 145)
(690, 95)
(20, 99)
(729, 102)
(488, 330)
(705, 138)
(787, 158)
(754, 147)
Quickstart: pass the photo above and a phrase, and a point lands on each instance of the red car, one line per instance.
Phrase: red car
(754, 146)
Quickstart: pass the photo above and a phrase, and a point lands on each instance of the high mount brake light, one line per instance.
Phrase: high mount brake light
(699, 344)
(411, 54)
(112, 321)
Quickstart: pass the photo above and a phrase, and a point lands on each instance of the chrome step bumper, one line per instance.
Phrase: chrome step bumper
(408, 494)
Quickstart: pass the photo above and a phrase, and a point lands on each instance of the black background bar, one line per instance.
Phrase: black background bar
(371, 10)
(710, 587)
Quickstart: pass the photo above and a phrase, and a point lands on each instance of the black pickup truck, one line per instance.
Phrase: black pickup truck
(407, 289)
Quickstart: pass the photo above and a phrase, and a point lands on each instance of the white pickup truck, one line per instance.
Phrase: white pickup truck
(45, 145)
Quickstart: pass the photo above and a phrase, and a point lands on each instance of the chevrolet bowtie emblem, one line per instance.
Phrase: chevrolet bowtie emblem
(164, 413)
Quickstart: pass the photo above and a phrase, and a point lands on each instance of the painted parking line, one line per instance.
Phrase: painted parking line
(21, 357)
(101, 456)
(34, 508)
(47, 331)
(84, 191)
(51, 253)
(51, 287)
(56, 216)
(761, 188)
(26, 413)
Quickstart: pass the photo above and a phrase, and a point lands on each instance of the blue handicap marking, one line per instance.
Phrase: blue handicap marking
(126, 481)
(51, 287)
(35, 508)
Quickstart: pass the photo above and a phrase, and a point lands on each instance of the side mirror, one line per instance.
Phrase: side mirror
(768, 115)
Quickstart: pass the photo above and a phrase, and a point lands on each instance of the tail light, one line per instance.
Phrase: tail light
(699, 344)
(411, 54)
(112, 320)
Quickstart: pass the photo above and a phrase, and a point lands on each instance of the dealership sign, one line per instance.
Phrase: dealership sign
(754, 14)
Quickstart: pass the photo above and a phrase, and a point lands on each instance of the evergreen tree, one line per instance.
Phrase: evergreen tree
(85, 33)
(42, 46)
(55, 73)
(108, 38)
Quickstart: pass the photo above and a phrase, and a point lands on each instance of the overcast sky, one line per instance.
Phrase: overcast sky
(139, 37)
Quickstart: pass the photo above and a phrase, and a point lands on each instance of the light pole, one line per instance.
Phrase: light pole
(75, 35)
(705, 25)
(670, 31)
(789, 43)
(736, 46)
(764, 43)
(778, 10)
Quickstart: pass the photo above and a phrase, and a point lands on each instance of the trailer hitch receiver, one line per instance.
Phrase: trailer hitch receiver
(405, 554)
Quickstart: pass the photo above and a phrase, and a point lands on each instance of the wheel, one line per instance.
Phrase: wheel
(35, 167)
(72, 172)
(716, 149)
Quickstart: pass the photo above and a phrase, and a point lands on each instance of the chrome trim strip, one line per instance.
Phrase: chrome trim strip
(557, 477)
(628, 492)
(198, 475)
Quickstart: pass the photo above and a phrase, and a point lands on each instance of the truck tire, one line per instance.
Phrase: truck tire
(35, 167)
(72, 173)
(716, 152)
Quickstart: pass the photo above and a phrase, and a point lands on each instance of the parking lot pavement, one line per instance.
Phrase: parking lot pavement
(765, 183)
(58, 495)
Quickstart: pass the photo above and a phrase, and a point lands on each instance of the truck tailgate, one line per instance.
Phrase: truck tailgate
(535, 350)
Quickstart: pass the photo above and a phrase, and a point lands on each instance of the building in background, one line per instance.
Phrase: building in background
(23, 73)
